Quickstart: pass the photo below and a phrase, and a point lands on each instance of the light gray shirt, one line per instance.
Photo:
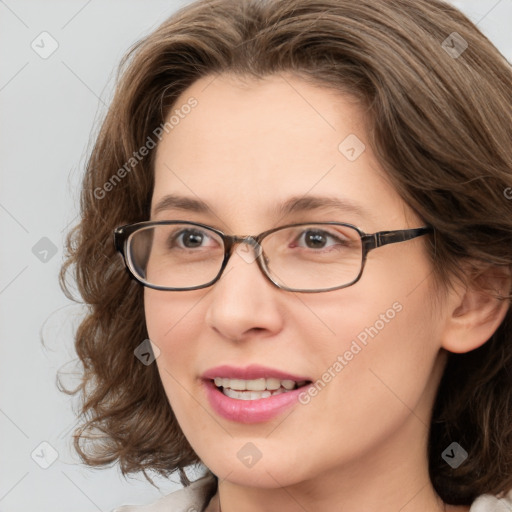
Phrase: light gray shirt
(193, 499)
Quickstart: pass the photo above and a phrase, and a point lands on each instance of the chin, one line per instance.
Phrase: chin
(265, 478)
(270, 473)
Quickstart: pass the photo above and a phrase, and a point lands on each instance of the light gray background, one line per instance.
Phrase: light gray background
(51, 108)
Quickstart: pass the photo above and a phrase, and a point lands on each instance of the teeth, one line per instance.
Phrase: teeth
(270, 384)
(288, 384)
(251, 395)
(273, 383)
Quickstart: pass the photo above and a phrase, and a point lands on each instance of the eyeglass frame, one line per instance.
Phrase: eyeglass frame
(369, 241)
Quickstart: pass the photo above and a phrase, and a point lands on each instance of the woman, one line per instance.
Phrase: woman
(312, 204)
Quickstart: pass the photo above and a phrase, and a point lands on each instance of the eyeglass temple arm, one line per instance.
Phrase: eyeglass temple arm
(119, 238)
(390, 237)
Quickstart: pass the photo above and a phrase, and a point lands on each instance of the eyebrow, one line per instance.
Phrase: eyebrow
(176, 202)
(299, 204)
(296, 204)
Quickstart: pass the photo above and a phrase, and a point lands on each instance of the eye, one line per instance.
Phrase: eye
(191, 239)
(318, 239)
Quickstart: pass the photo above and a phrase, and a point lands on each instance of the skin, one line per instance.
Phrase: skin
(361, 443)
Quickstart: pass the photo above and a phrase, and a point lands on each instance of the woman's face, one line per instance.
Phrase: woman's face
(245, 150)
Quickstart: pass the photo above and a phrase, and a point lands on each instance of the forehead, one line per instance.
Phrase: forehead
(246, 146)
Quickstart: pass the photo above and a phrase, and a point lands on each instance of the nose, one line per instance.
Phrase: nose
(243, 303)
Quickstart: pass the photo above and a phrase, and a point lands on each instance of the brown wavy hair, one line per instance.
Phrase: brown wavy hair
(440, 118)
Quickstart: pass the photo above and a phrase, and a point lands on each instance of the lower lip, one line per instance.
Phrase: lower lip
(249, 411)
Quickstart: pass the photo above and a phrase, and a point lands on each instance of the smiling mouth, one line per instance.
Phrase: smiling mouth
(256, 389)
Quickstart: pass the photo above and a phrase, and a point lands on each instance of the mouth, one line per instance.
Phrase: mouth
(252, 394)
(256, 389)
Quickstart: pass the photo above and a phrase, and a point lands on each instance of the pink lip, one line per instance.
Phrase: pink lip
(249, 411)
(253, 371)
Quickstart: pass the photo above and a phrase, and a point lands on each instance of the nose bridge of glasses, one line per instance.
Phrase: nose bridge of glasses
(248, 239)
(241, 240)
(242, 244)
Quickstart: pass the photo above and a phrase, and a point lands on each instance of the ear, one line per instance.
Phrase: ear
(476, 309)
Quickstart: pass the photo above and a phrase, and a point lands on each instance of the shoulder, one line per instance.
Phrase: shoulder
(192, 498)
(489, 503)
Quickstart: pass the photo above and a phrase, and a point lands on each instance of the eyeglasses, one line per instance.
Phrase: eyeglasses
(306, 257)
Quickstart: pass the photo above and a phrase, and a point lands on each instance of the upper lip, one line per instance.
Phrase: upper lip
(253, 371)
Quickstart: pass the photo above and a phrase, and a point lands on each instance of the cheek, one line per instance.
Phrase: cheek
(374, 347)
(175, 323)
(170, 316)
(380, 366)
